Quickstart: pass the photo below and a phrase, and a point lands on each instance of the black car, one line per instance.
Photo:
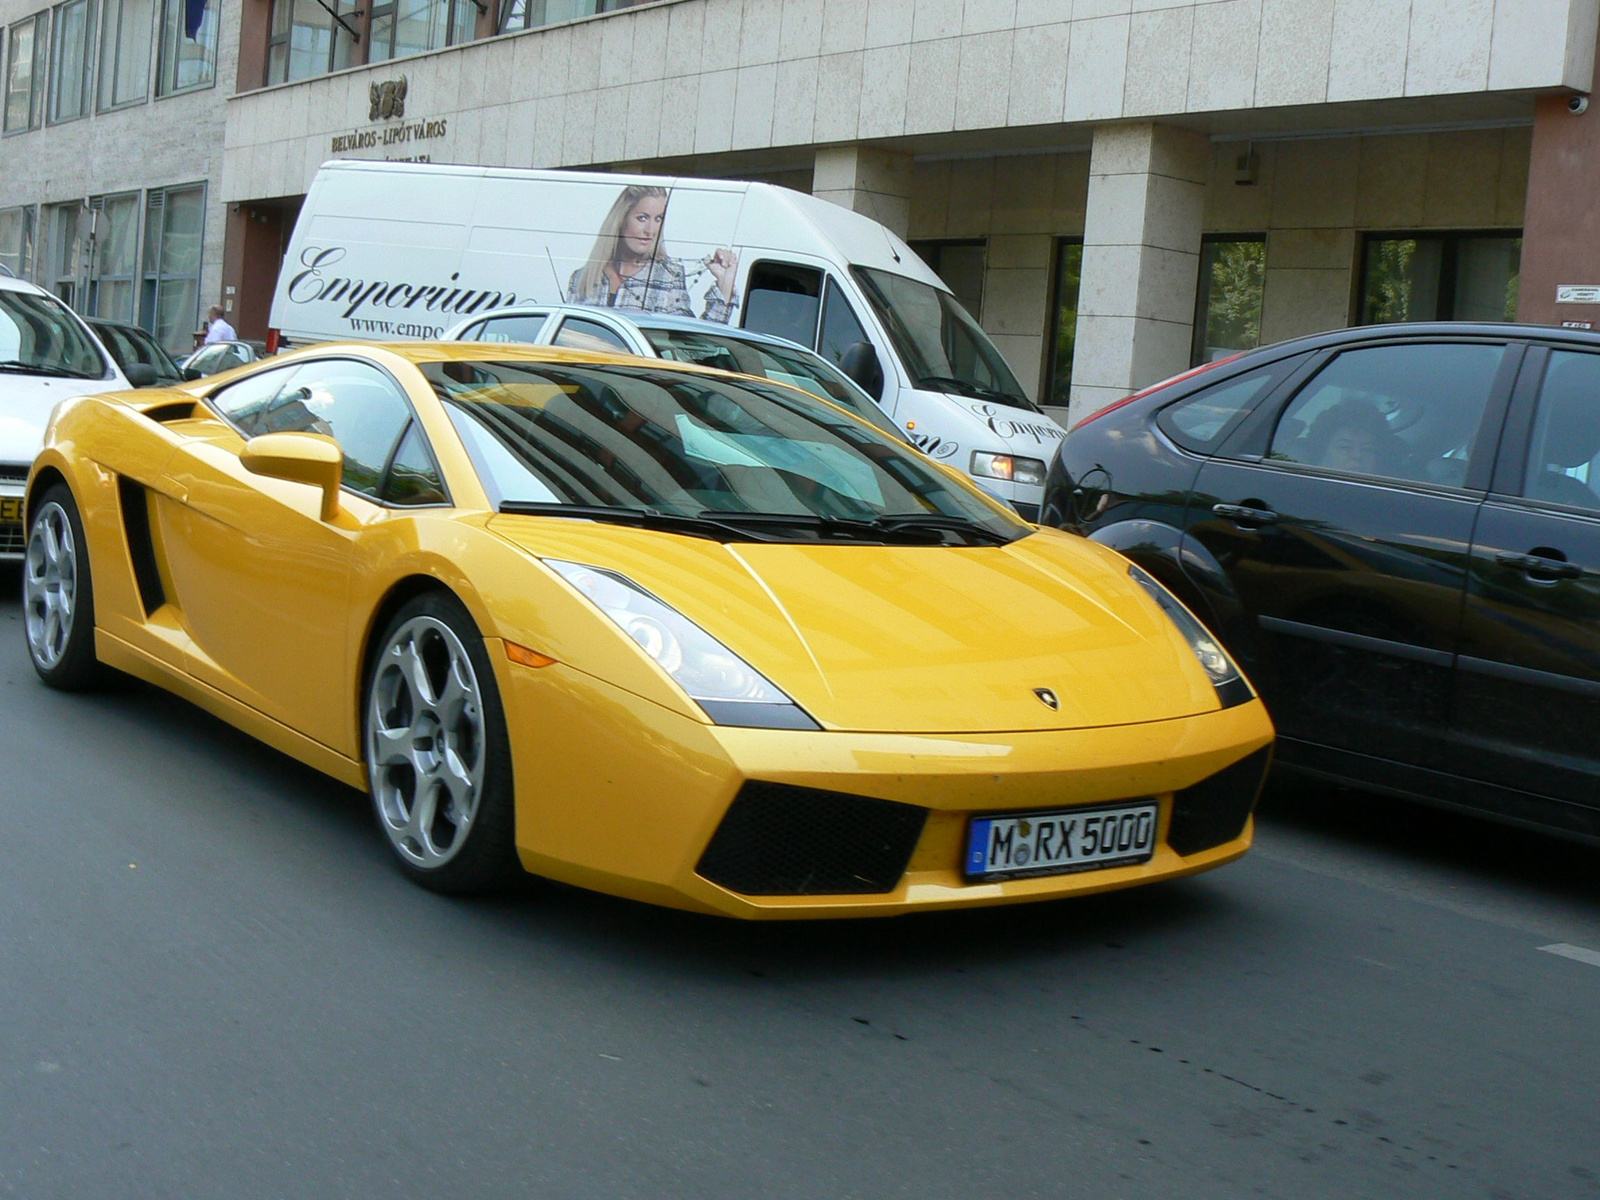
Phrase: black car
(1396, 530)
(142, 360)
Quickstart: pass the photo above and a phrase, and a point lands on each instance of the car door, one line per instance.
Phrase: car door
(260, 578)
(1343, 518)
(1528, 685)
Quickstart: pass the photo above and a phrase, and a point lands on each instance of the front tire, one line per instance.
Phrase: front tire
(58, 595)
(438, 756)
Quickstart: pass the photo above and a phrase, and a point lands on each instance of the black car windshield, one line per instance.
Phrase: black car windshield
(129, 344)
(941, 345)
(798, 368)
(681, 446)
(38, 335)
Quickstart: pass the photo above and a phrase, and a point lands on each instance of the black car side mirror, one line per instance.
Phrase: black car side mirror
(141, 374)
(860, 363)
(190, 374)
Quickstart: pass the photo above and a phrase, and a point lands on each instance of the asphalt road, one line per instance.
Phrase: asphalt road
(212, 983)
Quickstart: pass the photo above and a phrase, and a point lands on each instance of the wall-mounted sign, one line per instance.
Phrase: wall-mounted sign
(1578, 293)
(388, 103)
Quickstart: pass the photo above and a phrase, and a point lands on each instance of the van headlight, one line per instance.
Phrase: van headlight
(730, 690)
(1232, 688)
(1009, 467)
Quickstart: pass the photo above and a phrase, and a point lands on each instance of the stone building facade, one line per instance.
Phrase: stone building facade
(1117, 188)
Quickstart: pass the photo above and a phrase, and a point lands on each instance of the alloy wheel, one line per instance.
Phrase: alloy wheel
(426, 741)
(50, 585)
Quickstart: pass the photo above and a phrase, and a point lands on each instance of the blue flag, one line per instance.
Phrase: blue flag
(194, 11)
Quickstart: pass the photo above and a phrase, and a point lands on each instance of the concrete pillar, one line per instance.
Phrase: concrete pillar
(874, 183)
(1141, 260)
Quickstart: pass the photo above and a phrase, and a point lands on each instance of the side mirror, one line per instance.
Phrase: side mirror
(860, 363)
(312, 458)
(140, 374)
(190, 374)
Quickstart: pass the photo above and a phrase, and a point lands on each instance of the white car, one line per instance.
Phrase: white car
(47, 354)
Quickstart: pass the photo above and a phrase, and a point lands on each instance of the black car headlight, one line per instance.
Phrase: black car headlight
(730, 690)
(1230, 683)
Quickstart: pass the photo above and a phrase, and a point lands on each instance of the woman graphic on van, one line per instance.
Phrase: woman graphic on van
(626, 268)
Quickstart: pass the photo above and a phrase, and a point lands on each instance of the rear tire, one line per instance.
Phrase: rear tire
(58, 595)
(438, 756)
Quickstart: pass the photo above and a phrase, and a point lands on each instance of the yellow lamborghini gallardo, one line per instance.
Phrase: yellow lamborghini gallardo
(684, 636)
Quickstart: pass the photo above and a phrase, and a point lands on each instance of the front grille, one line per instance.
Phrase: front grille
(13, 473)
(778, 840)
(1214, 810)
(12, 540)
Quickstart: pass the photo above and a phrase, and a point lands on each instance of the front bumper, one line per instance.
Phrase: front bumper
(13, 486)
(620, 795)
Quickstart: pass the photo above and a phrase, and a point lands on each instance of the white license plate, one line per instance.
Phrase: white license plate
(1053, 843)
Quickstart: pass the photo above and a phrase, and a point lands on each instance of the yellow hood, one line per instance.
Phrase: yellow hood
(914, 639)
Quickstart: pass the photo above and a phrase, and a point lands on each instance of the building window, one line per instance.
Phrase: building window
(126, 28)
(188, 60)
(174, 232)
(1063, 332)
(62, 266)
(961, 265)
(1440, 277)
(309, 38)
(1227, 313)
(25, 74)
(402, 27)
(115, 241)
(72, 26)
(16, 241)
(531, 14)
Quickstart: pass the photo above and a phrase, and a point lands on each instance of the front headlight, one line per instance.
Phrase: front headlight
(1224, 675)
(1009, 467)
(730, 690)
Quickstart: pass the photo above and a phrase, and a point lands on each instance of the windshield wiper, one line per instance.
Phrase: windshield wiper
(966, 387)
(707, 525)
(895, 527)
(15, 366)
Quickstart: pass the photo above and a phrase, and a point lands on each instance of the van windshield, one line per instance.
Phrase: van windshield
(38, 336)
(699, 452)
(941, 345)
(798, 368)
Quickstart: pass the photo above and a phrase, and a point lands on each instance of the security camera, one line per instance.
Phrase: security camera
(1577, 105)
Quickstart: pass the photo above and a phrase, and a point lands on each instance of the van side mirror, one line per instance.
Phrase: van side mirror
(313, 458)
(140, 374)
(860, 363)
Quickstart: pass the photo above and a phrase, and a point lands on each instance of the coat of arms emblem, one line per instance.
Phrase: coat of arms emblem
(388, 100)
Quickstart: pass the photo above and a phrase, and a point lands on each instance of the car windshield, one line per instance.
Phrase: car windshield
(38, 335)
(941, 345)
(129, 344)
(632, 442)
(796, 367)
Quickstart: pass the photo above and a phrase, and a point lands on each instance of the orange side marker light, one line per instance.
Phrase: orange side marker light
(528, 658)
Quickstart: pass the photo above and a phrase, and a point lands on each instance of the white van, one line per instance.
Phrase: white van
(47, 355)
(408, 250)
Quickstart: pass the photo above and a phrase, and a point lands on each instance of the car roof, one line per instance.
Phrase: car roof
(1414, 330)
(640, 319)
(12, 284)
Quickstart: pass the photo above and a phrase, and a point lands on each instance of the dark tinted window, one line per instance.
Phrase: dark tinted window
(782, 300)
(1564, 453)
(1202, 422)
(578, 334)
(413, 477)
(1407, 412)
(840, 327)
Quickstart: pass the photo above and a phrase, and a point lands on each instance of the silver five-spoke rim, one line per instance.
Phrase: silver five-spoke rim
(50, 585)
(425, 742)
